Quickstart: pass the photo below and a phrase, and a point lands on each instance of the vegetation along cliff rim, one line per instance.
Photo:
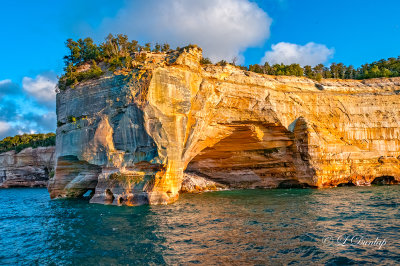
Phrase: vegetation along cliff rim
(88, 60)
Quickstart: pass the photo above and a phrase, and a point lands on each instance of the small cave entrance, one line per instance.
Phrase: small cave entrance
(292, 183)
(348, 184)
(120, 200)
(88, 194)
(385, 180)
(46, 172)
(109, 197)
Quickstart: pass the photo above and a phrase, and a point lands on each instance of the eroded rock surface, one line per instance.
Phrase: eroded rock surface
(193, 183)
(28, 168)
(136, 134)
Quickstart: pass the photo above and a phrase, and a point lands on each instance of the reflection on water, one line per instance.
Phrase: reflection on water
(231, 227)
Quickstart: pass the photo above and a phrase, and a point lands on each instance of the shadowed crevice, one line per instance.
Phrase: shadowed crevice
(385, 180)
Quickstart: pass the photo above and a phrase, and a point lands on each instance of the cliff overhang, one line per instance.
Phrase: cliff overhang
(137, 136)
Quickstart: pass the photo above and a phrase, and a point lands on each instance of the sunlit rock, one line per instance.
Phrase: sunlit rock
(135, 134)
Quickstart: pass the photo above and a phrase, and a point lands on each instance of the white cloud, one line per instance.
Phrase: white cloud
(27, 123)
(4, 128)
(42, 88)
(223, 28)
(27, 110)
(45, 122)
(4, 82)
(289, 53)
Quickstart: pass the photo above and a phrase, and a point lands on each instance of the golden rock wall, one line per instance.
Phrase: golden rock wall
(141, 134)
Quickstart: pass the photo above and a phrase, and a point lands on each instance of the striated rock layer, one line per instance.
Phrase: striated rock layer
(28, 168)
(137, 136)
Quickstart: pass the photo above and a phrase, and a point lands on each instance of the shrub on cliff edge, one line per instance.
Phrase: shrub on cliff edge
(20, 142)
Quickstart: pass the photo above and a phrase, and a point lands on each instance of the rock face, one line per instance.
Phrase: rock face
(136, 136)
(193, 183)
(28, 168)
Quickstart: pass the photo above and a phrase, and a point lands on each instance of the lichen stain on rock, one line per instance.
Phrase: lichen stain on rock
(174, 125)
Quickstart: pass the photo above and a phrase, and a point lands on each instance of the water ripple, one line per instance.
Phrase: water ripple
(258, 227)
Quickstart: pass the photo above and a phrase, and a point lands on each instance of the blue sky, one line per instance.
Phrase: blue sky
(254, 31)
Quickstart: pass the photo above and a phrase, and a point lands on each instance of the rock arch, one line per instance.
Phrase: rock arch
(253, 155)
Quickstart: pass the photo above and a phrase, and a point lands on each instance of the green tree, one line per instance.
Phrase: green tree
(350, 72)
(133, 47)
(318, 77)
(74, 56)
(205, 61)
(20, 142)
(256, 68)
(295, 70)
(386, 73)
(334, 70)
(319, 69)
(374, 72)
(308, 72)
(147, 47)
(267, 68)
(165, 47)
(340, 70)
(222, 63)
(157, 48)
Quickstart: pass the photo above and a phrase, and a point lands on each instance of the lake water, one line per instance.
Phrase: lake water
(293, 226)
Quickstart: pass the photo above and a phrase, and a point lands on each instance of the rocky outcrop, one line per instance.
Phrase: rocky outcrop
(136, 134)
(28, 168)
(193, 183)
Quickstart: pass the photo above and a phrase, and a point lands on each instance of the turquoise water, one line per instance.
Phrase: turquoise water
(297, 226)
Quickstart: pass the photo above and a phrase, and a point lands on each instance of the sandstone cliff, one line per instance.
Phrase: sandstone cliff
(136, 134)
(28, 168)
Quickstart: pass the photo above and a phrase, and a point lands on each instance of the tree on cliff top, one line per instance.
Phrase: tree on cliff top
(117, 52)
(381, 68)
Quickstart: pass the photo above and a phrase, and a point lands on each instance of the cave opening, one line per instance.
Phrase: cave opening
(120, 200)
(46, 172)
(292, 183)
(346, 184)
(88, 194)
(384, 180)
(252, 156)
(109, 197)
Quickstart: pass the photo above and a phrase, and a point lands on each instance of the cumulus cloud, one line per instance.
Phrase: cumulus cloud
(41, 123)
(290, 53)
(42, 88)
(223, 28)
(26, 123)
(4, 128)
(27, 109)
